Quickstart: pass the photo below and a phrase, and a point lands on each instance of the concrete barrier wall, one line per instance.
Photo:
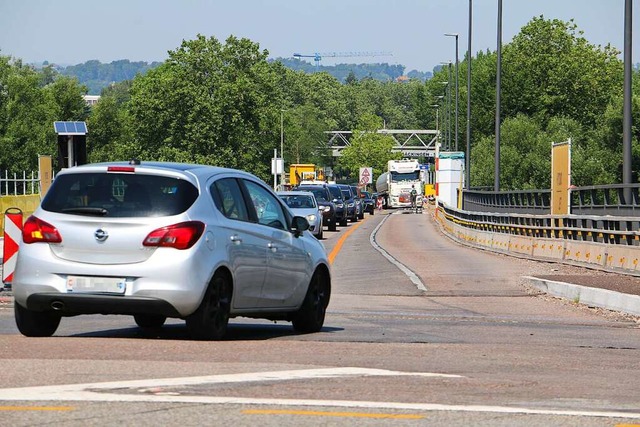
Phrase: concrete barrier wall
(617, 258)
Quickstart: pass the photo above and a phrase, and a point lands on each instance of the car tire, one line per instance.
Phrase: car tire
(343, 222)
(332, 226)
(361, 215)
(310, 316)
(355, 218)
(319, 236)
(209, 322)
(36, 323)
(149, 321)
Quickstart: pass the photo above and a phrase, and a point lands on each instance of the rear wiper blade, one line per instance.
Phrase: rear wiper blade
(87, 210)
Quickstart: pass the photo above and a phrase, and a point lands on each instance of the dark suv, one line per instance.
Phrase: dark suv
(325, 205)
(350, 202)
(368, 202)
(339, 201)
(359, 201)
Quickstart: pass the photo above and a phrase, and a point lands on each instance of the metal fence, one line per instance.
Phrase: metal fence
(597, 200)
(19, 185)
(614, 230)
(522, 201)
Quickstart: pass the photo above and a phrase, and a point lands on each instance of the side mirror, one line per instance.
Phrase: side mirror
(298, 225)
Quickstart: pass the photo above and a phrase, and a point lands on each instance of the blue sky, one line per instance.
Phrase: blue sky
(75, 31)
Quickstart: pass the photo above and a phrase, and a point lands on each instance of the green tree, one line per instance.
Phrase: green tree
(110, 131)
(551, 70)
(210, 103)
(28, 112)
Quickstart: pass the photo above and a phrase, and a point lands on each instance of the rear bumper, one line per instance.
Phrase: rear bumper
(73, 304)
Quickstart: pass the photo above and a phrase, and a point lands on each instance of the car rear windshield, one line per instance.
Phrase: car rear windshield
(336, 193)
(319, 193)
(299, 202)
(119, 195)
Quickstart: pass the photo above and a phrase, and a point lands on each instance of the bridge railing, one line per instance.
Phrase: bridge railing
(520, 201)
(599, 200)
(616, 230)
(613, 199)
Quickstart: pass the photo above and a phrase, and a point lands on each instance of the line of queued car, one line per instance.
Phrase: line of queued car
(337, 203)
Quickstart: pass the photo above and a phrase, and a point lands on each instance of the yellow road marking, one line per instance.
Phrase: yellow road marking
(330, 414)
(340, 242)
(36, 408)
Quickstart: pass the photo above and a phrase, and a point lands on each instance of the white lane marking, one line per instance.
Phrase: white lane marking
(412, 276)
(42, 391)
(144, 392)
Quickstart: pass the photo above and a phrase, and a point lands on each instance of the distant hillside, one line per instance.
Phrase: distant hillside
(97, 76)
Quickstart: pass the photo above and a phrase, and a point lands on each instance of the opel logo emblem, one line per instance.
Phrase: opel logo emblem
(101, 235)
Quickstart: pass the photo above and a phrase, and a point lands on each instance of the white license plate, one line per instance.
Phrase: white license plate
(113, 285)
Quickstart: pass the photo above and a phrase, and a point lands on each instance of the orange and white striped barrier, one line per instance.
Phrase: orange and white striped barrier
(12, 238)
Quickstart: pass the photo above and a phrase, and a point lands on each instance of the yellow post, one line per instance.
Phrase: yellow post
(560, 177)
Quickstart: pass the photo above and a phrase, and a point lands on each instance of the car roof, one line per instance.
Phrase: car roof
(295, 193)
(159, 167)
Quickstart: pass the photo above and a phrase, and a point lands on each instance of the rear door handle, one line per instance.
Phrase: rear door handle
(236, 239)
(272, 246)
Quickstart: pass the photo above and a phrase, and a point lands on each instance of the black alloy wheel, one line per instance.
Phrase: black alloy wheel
(209, 322)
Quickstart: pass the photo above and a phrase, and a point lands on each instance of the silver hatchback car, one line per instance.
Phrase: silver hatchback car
(157, 240)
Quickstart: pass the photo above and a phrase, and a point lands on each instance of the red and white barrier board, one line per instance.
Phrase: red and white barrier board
(12, 237)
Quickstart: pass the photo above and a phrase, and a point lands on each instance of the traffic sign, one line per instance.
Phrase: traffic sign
(366, 176)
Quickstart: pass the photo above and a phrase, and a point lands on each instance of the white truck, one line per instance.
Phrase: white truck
(396, 183)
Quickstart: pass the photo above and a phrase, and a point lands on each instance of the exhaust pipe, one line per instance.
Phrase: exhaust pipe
(57, 305)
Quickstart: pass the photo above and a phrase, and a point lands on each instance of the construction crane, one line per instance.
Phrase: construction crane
(317, 56)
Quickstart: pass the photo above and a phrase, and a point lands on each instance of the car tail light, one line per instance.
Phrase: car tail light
(36, 230)
(179, 236)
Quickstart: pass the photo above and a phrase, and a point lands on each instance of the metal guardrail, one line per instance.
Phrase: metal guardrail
(597, 200)
(614, 199)
(521, 201)
(615, 230)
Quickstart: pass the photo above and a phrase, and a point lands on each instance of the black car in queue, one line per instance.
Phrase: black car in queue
(359, 202)
(350, 202)
(325, 204)
(368, 202)
(340, 203)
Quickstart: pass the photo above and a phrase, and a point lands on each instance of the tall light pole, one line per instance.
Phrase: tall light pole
(468, 153)
(457, 89)
(496, 178)
(448, 111)
(437, 107)
(627, 172)
(282, 148)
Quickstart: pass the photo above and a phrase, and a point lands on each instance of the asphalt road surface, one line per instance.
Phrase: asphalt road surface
(420, 331)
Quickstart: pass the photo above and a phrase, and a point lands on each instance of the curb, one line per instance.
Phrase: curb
(594, 297)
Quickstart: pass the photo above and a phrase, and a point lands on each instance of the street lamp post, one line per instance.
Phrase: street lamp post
(282, 148)
(468, 153)
(496, 177)
(447, 117)
(627, 171)
(457, 88)
(448, 105)
(437, 107)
